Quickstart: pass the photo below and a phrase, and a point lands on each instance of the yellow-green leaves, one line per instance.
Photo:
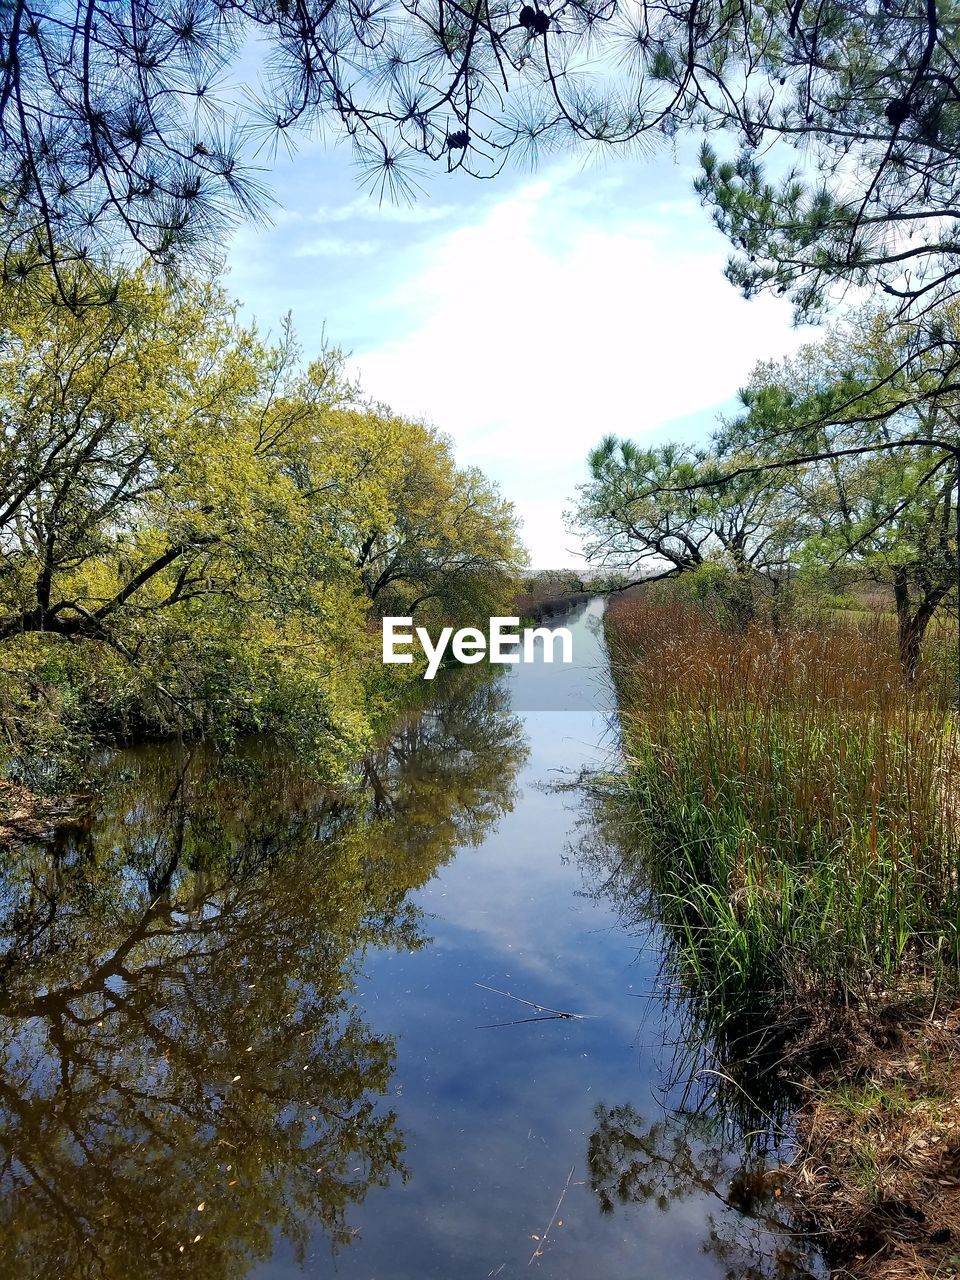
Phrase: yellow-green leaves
(185, 495)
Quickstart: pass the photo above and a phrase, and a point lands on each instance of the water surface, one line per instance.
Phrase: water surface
(247, 1026)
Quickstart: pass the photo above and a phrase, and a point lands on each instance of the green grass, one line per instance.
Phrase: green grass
(797, 805)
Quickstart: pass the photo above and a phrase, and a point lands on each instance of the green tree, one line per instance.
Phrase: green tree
(872, 430)
(154, 519)
(195, 524)
(845, 459)
(446, 543)
(116, 130)
(649, 514)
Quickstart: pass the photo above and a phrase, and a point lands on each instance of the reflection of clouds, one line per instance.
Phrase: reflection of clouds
(179, 993)
(494, 1121)
(580, 690)
(517, 910)
(545, 947)
(496, 1117)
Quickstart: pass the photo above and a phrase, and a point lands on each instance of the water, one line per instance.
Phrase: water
(245, 1023)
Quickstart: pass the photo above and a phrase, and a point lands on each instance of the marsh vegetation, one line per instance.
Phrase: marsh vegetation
(788, 812)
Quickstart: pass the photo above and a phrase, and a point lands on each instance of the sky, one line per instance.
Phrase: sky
(525, 317)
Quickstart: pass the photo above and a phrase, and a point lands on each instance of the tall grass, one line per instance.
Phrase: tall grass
(800, 808)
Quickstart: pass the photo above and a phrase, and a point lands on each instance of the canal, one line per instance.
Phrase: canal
(250, 1027)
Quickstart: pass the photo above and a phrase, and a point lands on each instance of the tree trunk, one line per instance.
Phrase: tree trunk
(742, 595)
(912, 623)
(910, 638)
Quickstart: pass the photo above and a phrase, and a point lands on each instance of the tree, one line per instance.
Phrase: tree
(116, 127)
(874, 90)
(154, 520)
(648, 514)
(847, 455)
(194, 524)
(445, 542)
(869, 421)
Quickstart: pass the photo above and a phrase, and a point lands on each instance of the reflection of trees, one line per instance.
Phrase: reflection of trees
(452, 764)
(690, 1153)
(720, 1134)
(726, 1035)
(177, 1027)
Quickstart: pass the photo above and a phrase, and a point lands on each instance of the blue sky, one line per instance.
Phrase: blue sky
(525, 317)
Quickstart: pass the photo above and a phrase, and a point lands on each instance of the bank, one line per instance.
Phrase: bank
(789, 810)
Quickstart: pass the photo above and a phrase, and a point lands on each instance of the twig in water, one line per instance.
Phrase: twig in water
(549, 1014)
(542, 1240)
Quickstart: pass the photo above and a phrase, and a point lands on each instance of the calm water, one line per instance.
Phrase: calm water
(244, 1023)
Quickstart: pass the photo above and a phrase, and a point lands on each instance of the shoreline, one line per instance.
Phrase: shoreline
(783, 807)
(877, 1174)
(27, 816)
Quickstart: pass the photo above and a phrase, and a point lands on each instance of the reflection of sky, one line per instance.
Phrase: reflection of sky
(579, 686)
(495, 1118)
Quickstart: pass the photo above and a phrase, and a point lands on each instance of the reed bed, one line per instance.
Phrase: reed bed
(799, 806)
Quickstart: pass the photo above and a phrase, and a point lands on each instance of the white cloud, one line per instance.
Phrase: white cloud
(542, 530)
(366, 207)
(556, 318)
(336, 247)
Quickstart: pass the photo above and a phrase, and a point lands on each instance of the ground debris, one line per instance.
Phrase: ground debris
(878, 1167)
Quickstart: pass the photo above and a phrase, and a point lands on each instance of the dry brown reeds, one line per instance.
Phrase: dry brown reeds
(798, 800)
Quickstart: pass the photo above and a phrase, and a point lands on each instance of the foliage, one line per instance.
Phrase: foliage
(868, 92)
(544, 592)
(118, 125)
(795, 811)
(188, 1078)
(649, 514)
(868, 419)
(181, 509)
(449, 548)
(842, 466)
(551, 584)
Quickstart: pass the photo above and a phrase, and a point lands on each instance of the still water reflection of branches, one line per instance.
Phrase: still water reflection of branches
(681, 1155)
(720, 1133)
(184, 1072)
